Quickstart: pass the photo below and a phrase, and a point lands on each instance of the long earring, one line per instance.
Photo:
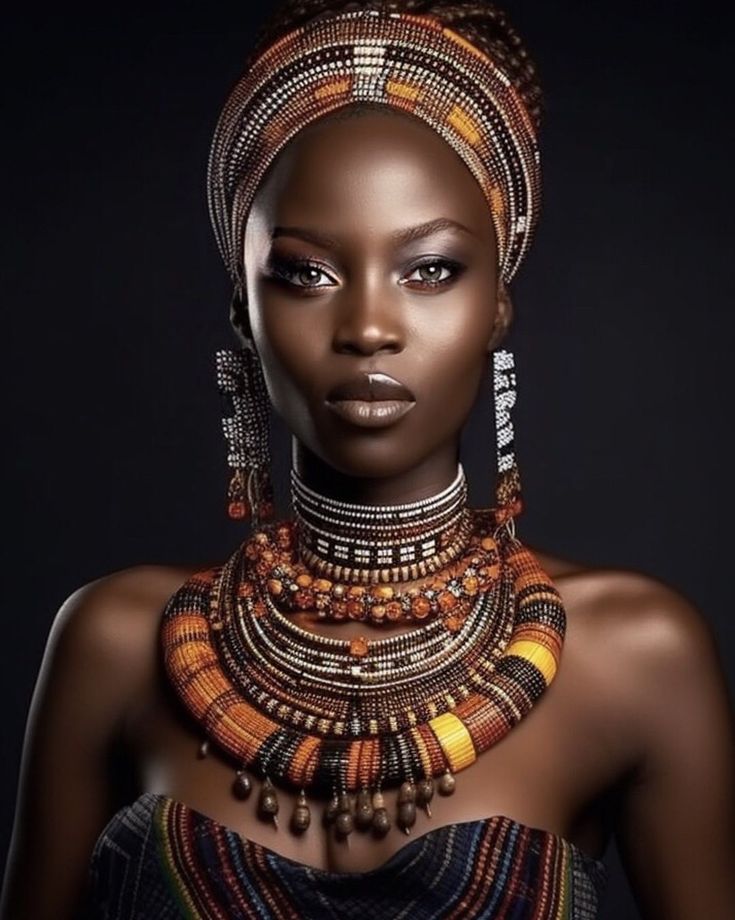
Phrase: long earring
(508, 498)
(245, 425)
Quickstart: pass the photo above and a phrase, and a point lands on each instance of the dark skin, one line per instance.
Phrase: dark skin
(633, 738)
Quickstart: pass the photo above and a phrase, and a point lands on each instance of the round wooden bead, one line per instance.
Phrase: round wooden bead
(364, 810)
(242, 787)
(406, 815)
(268, 800)
(381, 822)
(446, 784)
(344, 823)
(424, 791)
(301, 817)
(331, 810)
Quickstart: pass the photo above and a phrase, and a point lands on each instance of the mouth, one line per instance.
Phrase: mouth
(371, 400)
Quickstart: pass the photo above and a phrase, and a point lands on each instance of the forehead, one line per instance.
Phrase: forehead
(363, 163)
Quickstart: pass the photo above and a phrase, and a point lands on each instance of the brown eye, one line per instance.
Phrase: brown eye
(308, 276)
(430, 272)
(434, 273)
(299, 273)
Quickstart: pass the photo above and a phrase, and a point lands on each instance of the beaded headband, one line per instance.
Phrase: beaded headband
(410, 62)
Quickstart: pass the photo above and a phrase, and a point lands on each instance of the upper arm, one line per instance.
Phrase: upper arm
(77, 707)
(676, 831)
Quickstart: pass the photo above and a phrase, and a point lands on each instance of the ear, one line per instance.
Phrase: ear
(240, 320)
(503, 317)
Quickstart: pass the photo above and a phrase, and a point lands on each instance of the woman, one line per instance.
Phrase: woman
(478, 766)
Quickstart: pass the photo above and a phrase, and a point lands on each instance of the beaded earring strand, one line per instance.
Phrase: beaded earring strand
(245, 425)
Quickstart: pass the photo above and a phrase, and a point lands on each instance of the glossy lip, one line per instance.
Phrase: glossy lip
(371, 400)
(369, 387)
(371, 413)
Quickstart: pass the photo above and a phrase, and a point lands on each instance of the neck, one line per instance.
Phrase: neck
(423, 480)
(376, 543)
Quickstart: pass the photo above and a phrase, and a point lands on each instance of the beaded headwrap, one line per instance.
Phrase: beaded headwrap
(411, 62)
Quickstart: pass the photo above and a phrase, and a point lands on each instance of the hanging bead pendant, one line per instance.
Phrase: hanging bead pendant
(381, 820)
(364, 810)
(242, 786)
(301, 817)
(425, 793)
(447, 783)
(268, 802)
(331, 810)
(344, 822)
(407, 806)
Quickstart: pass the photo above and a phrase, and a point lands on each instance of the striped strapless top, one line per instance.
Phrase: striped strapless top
(159, 858)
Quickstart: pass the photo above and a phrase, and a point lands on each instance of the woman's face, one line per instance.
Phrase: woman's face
(370, 254)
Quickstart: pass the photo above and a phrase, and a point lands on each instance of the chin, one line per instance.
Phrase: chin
(373, 454)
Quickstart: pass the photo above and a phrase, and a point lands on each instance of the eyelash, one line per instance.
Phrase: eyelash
(283, 268)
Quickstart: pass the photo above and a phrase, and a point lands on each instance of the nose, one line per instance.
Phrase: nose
(368, 322)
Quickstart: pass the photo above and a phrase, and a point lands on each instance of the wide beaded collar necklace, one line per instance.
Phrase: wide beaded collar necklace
(342, 718)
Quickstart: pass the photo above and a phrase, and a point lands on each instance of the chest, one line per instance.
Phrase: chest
(551, 771)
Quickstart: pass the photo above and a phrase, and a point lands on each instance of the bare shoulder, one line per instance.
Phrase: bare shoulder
(110, 624)
(638, 642)
(642, 619)
(644, 616)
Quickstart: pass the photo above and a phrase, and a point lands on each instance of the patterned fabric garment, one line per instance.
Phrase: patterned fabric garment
(159, 858)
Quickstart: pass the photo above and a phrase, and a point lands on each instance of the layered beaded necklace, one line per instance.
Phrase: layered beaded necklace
(341, 718)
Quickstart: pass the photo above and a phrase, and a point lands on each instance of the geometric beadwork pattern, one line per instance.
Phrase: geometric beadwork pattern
(407, 61)
(245, 398)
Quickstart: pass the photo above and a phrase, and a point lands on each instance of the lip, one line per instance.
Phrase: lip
(370, 387)
(371, 400)
(371, 413)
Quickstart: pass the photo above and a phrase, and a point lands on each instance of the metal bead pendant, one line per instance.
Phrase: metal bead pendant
(242, 787)
(425, 793)
(344, 822)
(301, 817)
(331, 810)
(447, 783)
(406, 806)
(381, 819)
(268, 802)
(364, 810)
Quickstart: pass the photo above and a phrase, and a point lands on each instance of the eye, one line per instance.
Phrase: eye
(430, 272)
(301, 273)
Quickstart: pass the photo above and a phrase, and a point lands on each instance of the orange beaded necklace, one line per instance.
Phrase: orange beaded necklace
(342, 718)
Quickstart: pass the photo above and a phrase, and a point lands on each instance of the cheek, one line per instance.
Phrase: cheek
(451, 385)
(291, 348)
(453, 348)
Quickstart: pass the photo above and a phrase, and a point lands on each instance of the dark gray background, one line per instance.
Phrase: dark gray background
(115, 301)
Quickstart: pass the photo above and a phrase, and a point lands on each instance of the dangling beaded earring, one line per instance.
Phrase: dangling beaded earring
(508, 498)
(245, 425)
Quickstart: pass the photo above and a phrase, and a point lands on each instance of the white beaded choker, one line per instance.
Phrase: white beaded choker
(362, 543)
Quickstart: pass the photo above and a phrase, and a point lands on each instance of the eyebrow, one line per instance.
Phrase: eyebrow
(398, 237)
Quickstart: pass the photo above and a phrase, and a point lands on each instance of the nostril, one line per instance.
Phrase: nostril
(352, 347)
(366, 340)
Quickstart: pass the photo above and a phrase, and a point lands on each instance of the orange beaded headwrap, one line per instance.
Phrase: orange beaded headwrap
(411, 62)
